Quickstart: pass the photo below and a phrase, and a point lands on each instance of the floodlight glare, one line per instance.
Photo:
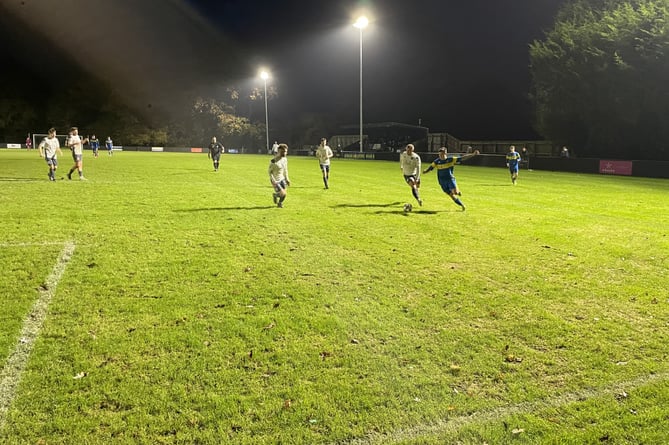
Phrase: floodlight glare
(362, 22)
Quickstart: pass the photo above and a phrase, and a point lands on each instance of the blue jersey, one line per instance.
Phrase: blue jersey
(444, 167)
(513, 158)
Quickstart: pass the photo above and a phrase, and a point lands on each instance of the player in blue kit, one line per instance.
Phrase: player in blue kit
(513, 162)
(95, 145)
(444, 165)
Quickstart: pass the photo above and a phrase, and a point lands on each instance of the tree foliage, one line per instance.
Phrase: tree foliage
(211, 117)
(599, 78)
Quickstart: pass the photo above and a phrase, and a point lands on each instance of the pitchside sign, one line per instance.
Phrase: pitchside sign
(615, 167)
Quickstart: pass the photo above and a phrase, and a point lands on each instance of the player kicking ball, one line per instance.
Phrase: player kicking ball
(444, 165)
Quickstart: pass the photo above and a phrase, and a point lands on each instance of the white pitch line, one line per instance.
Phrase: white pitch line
(10, 376)
(30, 244)
(452, 425)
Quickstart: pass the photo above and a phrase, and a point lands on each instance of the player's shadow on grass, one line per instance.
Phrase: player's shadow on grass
(403, 213)
(223, 209)
(339, 206)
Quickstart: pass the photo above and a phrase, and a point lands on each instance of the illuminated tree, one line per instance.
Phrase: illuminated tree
(599, 78)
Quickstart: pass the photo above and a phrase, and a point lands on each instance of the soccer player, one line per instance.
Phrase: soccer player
(76, 144)
(109, 145)
(444, 165)
(215, 150)
(324, 153)
(410, 164)
(95, 145)
(278, 174)
(48, 149)
(513, 163)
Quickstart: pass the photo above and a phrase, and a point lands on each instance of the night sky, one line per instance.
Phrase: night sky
(452, 65)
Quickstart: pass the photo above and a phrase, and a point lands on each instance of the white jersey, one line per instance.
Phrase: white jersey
(74, 142)
(410, 164)
(278, 170)
(324, 154)
(50, 146)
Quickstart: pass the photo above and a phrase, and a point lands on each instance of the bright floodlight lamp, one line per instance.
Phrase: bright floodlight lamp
(361, 24)
(265, 75)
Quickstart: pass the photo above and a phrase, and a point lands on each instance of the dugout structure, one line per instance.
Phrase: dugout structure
(380, 137)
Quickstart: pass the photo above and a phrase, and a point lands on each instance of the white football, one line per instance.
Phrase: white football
(408, 207)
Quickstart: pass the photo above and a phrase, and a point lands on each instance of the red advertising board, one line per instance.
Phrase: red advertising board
(615, 167)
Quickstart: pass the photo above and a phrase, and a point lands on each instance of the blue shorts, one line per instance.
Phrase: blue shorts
(448, 185)
(513, 168)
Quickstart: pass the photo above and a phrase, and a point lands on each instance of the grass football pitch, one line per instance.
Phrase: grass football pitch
(161, 302)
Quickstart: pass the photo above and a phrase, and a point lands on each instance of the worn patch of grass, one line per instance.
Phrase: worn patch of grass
(200, 313)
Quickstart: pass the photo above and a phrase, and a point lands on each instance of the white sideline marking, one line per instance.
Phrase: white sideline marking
(10, 376)
(29, 244)
(452, 425)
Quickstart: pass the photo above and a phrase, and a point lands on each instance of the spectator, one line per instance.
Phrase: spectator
(525, 157)
(564, 153)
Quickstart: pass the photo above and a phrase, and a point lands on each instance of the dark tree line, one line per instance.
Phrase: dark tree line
(600, 79)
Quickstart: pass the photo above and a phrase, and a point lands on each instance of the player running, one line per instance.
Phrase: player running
(324, 153)
(444, 165)
(278, 175)
(410, 164)
(109, 145)
(513, 163)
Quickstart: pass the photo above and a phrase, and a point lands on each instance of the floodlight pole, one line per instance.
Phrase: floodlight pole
(361, 23)
(265, 76)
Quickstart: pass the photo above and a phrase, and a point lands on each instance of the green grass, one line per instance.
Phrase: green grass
(200, 313)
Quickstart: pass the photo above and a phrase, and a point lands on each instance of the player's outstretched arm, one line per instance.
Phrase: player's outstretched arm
(469, 155)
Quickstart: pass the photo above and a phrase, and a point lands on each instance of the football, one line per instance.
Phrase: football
(408, 207)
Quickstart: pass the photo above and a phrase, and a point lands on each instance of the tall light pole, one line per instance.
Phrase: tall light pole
(361, 24)
(265, 75)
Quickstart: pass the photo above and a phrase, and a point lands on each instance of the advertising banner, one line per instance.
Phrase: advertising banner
(615, 167)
